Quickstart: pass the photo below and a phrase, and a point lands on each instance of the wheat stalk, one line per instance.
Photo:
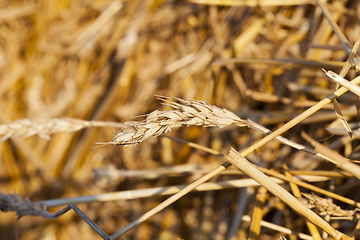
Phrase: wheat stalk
(244, 165)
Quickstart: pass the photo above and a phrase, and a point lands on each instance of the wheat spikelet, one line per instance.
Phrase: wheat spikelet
(186, 113)
(189, 113)
(45, 127)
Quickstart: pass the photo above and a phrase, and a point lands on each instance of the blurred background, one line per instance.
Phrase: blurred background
(105, 60)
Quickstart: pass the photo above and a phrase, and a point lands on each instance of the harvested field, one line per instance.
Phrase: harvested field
(160, 119)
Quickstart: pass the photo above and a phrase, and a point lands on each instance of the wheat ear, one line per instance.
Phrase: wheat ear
(188, 113)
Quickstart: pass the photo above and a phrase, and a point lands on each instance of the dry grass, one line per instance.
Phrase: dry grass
(72, 72)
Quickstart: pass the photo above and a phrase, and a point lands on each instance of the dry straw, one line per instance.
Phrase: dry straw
(185, 113)
(343, 82)
(164, 191)
(339, 160)
(241, 163)
(296, 192)
(100, 48)
(278, 228)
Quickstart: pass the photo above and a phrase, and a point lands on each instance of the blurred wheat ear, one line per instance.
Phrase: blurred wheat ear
(45, 127)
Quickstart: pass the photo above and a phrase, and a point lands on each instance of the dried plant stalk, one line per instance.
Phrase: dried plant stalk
(342, 74)
(343, 82)
(159, 191)
(278, 228)
(339, 33)
(257, 214)
(240, 162)
(340, 161)
(296, 191)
